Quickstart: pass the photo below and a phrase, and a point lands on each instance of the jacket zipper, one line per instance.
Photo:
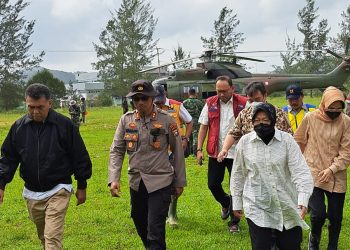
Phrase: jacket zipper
(38, 158)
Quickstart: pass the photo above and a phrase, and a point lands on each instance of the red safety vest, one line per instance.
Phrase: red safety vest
(213, 104)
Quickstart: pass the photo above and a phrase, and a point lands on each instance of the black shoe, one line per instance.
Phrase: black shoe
(314, 242)
(225, 213)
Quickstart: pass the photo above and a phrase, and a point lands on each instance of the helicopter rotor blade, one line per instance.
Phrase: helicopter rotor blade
(334, 54)
(167, 64)
(240, 57)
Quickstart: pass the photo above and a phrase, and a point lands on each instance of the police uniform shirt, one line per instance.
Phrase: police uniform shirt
(146, 141)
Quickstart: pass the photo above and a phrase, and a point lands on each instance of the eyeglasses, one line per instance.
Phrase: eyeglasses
(138, 98)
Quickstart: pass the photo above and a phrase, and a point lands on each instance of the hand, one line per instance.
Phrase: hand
(222, 155)
(178, 191)
(2, 192)
(325, 175)
(303, 211)
(238, 213)
(81, 196)
(114, 188)
(200, 158)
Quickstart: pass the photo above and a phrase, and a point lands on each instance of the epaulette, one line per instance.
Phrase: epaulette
(130, 112)
(160, 111)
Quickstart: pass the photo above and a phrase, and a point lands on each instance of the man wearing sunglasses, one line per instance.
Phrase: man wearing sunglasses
(146, 134)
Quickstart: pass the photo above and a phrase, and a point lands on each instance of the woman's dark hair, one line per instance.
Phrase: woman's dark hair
(38, 90)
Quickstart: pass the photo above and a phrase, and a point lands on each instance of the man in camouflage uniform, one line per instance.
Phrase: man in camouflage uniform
(83, 109)
(256, 93)
(74, 111)
(194, 106)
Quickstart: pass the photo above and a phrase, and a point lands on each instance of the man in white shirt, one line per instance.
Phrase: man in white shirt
(217, 116)
(272, 182)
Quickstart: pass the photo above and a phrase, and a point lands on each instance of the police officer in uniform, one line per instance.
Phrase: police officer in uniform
(146, 134)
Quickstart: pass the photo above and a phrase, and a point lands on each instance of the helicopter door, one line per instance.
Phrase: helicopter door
(186, 88)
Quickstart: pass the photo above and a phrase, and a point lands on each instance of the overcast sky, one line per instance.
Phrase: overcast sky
(73, 25)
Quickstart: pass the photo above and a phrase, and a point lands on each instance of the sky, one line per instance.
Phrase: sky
(67, 29)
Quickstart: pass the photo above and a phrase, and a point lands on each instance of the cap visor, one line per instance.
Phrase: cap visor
(293, 97)
(131, 94)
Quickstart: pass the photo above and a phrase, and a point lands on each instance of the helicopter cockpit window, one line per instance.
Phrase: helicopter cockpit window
(186, 89)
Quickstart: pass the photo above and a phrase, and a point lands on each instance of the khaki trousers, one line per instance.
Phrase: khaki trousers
(48, 216)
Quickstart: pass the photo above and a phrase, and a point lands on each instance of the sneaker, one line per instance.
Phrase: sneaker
(225, 213)
(172, 222)
(234, 228)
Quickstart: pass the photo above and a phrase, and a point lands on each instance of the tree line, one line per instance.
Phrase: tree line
(127, 45)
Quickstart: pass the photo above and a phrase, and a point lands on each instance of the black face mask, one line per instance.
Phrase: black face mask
(333, 115)
(265, 132)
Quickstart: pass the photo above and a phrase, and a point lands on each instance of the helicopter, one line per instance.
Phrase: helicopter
(202, 78)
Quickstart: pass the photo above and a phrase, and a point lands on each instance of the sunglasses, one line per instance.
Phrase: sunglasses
(138, 98)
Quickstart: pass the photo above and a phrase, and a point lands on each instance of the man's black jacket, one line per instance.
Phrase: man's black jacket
(49, 153)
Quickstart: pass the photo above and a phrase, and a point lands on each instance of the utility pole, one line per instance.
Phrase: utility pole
(158, 60)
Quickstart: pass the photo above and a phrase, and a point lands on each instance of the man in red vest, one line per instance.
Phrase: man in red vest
(216, 118)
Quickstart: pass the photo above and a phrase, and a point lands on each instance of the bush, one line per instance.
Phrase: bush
(103, 100)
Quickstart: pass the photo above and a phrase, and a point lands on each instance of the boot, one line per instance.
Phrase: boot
(314, 242)
(172, 217)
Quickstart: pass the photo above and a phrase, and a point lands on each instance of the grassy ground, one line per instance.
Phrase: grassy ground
(104, 222)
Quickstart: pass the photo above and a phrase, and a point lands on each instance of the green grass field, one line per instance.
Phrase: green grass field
(104, 222)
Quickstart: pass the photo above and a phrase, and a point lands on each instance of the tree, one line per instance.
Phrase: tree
(339, 43)
(180, 54)
(314, 39)
(56, 86)
(291, 57)
(224, 37)
(127, 45)
(14, 51)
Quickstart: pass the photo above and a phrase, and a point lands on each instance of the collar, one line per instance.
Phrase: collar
(277, 136)
(50, 117)
(167, 102)
(229, 101)
(303, 107)
(153, 116)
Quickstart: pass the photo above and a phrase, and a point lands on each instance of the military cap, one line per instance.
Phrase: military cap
(143, 87)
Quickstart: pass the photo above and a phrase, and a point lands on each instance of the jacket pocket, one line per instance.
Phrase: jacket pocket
(131, 140)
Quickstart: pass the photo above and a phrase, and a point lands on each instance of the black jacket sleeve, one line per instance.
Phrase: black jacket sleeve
(82, 167)
(9, 158)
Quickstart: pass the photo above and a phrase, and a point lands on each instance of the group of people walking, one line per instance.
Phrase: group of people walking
(283, 163)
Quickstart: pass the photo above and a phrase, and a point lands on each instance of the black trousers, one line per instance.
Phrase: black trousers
(262, 237)
(334, 213)
(149, 211)
(216, 174)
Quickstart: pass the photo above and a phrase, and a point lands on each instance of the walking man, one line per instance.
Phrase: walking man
(49, 149)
